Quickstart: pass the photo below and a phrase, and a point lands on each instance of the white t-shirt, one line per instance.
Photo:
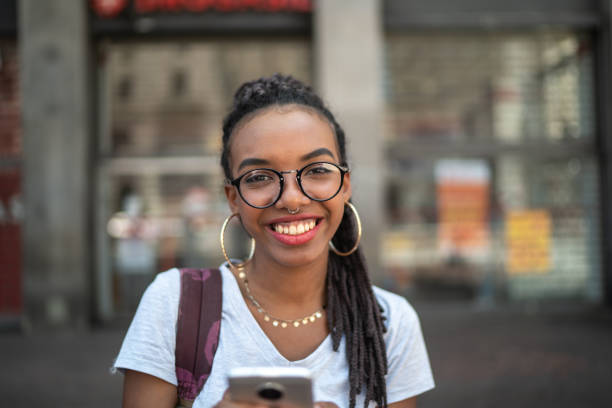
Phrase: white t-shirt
(149, 344)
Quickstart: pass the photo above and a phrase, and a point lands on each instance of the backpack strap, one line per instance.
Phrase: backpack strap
(197, 330)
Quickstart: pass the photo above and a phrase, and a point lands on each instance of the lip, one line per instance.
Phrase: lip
(294, 239)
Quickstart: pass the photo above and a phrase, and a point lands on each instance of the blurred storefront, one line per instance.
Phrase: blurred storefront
(493, 172)
(160, 200)
(494, 151)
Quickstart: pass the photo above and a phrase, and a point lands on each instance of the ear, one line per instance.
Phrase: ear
(232, 197)
(347, 191)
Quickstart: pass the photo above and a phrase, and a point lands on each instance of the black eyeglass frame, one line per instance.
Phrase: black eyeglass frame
(298, 176)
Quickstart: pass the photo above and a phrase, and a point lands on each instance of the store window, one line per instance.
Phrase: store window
(492, 188)
(160, 186)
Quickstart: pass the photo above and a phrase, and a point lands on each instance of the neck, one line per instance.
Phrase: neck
(273, 283)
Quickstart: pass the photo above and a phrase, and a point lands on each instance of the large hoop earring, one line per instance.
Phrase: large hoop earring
(354, 248)
(222, 239)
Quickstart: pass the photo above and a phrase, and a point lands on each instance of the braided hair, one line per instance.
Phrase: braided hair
(352, 309)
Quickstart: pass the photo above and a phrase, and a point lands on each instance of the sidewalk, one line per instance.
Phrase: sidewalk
(558, 356)
(60, 369)
(500, 357)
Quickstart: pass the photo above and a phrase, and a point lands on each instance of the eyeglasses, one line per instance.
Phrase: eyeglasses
(262, 188)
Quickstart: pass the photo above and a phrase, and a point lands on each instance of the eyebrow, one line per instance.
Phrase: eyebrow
(319, 152)
(254, 161)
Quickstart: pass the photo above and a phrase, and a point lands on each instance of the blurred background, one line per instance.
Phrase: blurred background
(479, 138)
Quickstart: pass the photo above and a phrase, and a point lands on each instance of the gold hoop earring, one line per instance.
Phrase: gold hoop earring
(222, 239)
(354, 248)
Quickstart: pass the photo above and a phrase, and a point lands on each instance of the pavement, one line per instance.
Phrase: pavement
(496, 356)
(519, 355)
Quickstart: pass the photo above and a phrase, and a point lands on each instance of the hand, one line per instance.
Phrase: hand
(226, 402)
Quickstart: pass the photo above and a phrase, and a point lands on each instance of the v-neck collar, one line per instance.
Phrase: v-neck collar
(257, 334)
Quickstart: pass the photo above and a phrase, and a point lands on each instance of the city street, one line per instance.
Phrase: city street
(551, 356)
(474, 138)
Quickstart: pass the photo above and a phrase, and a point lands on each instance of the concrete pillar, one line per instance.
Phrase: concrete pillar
(56, 145)
(348, 44)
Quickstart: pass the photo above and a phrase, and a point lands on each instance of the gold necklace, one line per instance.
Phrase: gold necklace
(276, 322)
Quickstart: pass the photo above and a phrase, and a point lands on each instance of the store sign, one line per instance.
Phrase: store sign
(463, 206)
(108, 8)
(528, 241)
(11, 219)
(111, 8)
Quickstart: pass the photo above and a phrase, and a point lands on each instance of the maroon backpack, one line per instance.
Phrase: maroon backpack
(197, 330)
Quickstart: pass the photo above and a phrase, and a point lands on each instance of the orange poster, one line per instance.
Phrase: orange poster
(463, 205)
(528, 242)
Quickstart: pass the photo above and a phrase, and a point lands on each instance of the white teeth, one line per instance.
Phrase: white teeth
(295, 228)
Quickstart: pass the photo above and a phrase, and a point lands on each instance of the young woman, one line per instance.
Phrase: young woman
(304, 298)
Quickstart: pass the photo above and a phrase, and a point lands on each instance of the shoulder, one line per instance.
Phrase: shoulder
(163, 290)
(401, 320)
(168, 280)
(166, 287)
(396, 308)
(159, 303)
(409, 371)
(148, 346)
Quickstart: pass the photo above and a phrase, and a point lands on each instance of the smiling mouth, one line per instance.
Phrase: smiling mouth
(294, 227)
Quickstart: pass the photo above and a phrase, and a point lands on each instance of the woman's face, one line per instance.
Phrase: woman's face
(287, 138)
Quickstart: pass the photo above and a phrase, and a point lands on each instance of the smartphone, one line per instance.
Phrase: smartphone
(279, 387)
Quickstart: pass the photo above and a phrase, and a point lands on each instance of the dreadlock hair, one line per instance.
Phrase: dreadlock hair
(352, 309)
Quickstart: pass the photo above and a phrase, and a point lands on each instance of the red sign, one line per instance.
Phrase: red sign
(11, 214)
(108, 8)
(111, 8)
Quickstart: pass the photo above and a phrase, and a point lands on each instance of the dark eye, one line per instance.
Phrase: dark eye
(318, 170)
(258, 178)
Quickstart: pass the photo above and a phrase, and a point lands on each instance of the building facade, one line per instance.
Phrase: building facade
(479, 141)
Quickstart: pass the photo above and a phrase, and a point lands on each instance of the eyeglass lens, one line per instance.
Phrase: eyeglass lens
(319, 181)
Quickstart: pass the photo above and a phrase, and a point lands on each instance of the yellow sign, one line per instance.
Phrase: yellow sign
(528, 235)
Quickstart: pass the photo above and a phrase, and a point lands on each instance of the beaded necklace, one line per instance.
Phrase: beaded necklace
(276, 322)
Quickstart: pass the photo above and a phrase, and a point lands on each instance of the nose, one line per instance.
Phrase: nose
(292, 196)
